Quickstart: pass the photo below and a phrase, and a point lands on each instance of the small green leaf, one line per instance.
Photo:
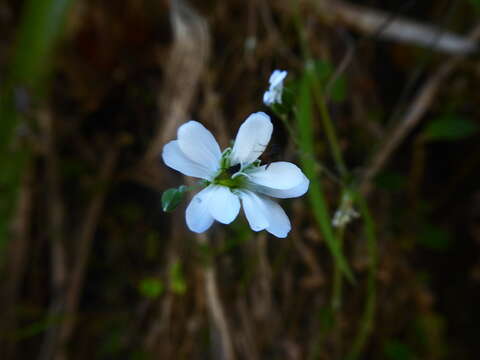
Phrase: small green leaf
(172, 197)
(450, 127)
(151, 287)
(177, 279)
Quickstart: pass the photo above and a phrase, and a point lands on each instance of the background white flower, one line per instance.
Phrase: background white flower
(274, 94)
(235, 176)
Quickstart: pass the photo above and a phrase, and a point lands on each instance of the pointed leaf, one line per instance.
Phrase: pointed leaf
(171, 198)
(450, 127)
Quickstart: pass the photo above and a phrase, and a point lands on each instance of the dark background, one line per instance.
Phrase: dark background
(90, 265)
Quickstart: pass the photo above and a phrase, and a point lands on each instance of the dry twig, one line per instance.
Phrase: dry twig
(55, 211)
(413, 115)
(82, 253)
(182, 73)
(18, 251)
(399, 29)
(217, 314)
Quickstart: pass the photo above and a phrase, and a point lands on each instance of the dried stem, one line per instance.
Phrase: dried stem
(395, 28)
(183, 70)
(82, 253)
(413, 115)
(217, 314)
(18, 251)
(55, 213)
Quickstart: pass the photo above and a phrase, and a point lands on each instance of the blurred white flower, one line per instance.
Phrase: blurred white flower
(235, 176)
(345, 213)
(274, 94)
(343, 217)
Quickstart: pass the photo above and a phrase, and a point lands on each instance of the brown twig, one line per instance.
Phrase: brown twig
(185, 65)
(161, 322)
(55, 211)
(220, 326)
(420, 105)
(395, 28)
(82, 253)
(18, 251)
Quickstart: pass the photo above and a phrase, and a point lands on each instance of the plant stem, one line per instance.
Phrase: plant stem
(337, 279)
(329, 128)
(368, 316)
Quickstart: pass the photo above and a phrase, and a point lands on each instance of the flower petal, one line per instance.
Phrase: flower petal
(199, 145)
(222, 204)
(280, 175)
(197, 216)
(255, 211)
(296, 191)
(277, 77)
(269, 97)
(174, 157)
(252, 139)
(279, 224)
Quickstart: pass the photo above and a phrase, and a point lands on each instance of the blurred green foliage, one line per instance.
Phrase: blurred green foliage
(396, 350)
(306, 140)
(151, 287)
(449, 127)
(325, 71)
(178, 283)
(434, 238)
(38, 32)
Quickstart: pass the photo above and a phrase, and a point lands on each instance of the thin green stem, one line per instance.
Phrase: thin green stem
(368, 316)
(329, 128)
(337, 279)
(316, 195)
(319, 97)
(301, 33)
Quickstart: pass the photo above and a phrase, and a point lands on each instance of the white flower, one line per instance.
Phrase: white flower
(274, 94)
(345, 213)
(343, 217)
(235, 176)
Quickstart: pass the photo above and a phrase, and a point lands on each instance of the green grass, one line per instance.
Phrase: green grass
(40, 28)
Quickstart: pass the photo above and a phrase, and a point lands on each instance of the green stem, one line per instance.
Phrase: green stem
(338, 276)
(316, 194)
(368, 316)
(329, 128)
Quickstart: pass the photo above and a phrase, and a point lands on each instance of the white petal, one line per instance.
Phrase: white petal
(268, 98)
(197, 215)
(277, 77)
(199, 145)
(296, 191)
(223, 205)
(280, 175)
(254, 210)
(279, 224)
(252, 139)
(174, 157)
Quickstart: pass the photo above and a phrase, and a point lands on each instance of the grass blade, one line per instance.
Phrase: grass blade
(316, 195)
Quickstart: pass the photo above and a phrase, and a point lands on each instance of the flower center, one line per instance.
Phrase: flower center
(225, 178)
